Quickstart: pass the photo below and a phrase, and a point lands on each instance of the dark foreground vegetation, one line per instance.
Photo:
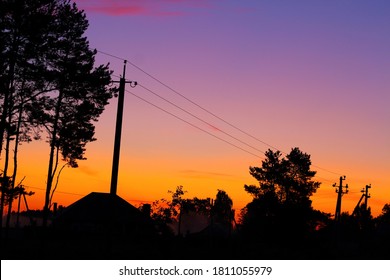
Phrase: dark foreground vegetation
(328, 243)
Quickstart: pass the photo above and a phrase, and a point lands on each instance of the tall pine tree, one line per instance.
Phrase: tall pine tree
(83, 91)
(24, 26)
(49, 82)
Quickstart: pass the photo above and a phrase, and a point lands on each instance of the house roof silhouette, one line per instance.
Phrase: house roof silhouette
(102, 212)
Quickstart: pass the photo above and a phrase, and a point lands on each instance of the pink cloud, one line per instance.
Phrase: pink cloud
(140, 7)
(116, 10)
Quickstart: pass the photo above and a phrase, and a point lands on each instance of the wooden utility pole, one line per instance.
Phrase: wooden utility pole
(366, 196)
(340, 193)
(118, 130)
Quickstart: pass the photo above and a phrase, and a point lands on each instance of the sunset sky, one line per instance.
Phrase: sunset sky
(307, 74)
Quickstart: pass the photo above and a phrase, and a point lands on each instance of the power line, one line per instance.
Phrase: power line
(323, 169)
(231, 136)
(323, 179)
(222, 131)
(189, 113)
(211, 125)
(186, 98)
(166, 100)
(35, 188)
(193, 125)
(154, 93)
(206, 110)
(114, 56)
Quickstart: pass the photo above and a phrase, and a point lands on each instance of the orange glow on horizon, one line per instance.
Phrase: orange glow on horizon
(144, 180)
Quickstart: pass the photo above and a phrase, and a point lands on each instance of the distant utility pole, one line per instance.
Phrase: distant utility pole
(366, 196)
(118, 129)
(340, 193)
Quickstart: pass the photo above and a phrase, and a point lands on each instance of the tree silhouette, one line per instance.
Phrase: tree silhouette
(167, 212)
(222, 211)
(385, 215)
(23, 29)
(288, 178)
(383, 220)
(82, 93)
(282, 200)
(48, 81)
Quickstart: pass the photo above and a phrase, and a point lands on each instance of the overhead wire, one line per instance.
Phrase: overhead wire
(193, 125)
(41, 189)
(196, 117)
(166, 100)
(186, 98)
(189, 113)
(207, 111)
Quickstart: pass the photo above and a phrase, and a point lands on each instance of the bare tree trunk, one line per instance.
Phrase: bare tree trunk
(7, 93)
(6, 180)
(16, 148)
(52, 167)
(3, 125)
(57, 180)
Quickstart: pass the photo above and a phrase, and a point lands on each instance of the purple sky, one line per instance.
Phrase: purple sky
(307, 74)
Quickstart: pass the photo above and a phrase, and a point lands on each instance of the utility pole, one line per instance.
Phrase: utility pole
(340, 193)
(118, 129)
(366, 196)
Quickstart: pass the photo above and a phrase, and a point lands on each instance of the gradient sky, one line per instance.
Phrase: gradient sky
(307, 74)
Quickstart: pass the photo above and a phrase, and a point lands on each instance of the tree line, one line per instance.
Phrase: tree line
(281, 200)
(281, 215)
